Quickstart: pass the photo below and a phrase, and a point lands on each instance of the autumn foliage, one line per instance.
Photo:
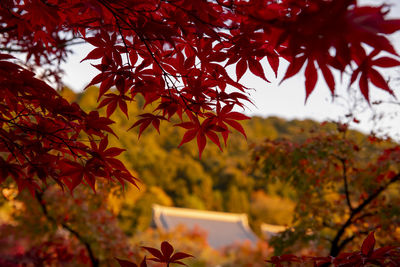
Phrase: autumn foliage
(175, 54)
(367, 256)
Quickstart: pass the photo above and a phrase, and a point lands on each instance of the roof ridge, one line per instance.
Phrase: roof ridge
(216, 215)
(273, 227)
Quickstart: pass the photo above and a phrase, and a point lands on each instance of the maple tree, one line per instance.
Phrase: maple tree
(173, 53)
(345, 189)
(367, 256)
(80, 232)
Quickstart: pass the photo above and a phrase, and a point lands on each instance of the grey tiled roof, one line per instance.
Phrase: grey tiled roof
(223, 229)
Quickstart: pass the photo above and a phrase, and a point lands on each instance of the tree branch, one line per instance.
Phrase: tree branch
(349, 239)
(336, 247)
(94, 261)
(346, 186)
(166, 75)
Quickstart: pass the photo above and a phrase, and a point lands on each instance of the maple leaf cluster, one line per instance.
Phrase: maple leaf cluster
(367, 256)
(48, 253)
(339, 179)
(41, 136)
(165, 255)
(175, 54)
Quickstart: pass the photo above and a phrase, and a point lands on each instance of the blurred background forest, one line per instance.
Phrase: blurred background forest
(116, 220)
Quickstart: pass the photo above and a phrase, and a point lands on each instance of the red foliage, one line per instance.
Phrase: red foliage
(58, 251)
(173, 53)
(384, 256)
(165, 255)
(40, 136)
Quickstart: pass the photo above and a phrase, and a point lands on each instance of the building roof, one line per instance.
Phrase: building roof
(223, 229)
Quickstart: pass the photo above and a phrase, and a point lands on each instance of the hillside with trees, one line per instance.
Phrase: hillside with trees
(220, 181)
(231, 180)
(248, 176)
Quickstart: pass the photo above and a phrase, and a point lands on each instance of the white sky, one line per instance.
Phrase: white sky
(287, 99)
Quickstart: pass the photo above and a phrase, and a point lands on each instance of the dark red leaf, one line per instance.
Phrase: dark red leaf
(143, 263)
(376, 78)
(179, 256)
(391, 25)
(236, 116)
(94, 54)
(330, 81)
(156, 124)
(354, 76)
(256, 68)
(123, 106)
(5, 56)
(97, 79)
(294, 67)
(274, 63)
(145, 123)
(201, 142)
(188, 136)
(237, 126)
(95, 41)
(186, 125)
(106, 85)
(155, 252)
(105, 102)
(113, 151)
(386, 62)
(241, 68)
(166, 250)
(111, 107)
(381, 252)
(125, 263)
(311, 78)
(214, 138)
(364, 86)
(368, 245)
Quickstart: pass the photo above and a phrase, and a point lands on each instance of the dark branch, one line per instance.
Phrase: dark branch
(351, 238)
(346, 186)
(336, 247)
(94, 261)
